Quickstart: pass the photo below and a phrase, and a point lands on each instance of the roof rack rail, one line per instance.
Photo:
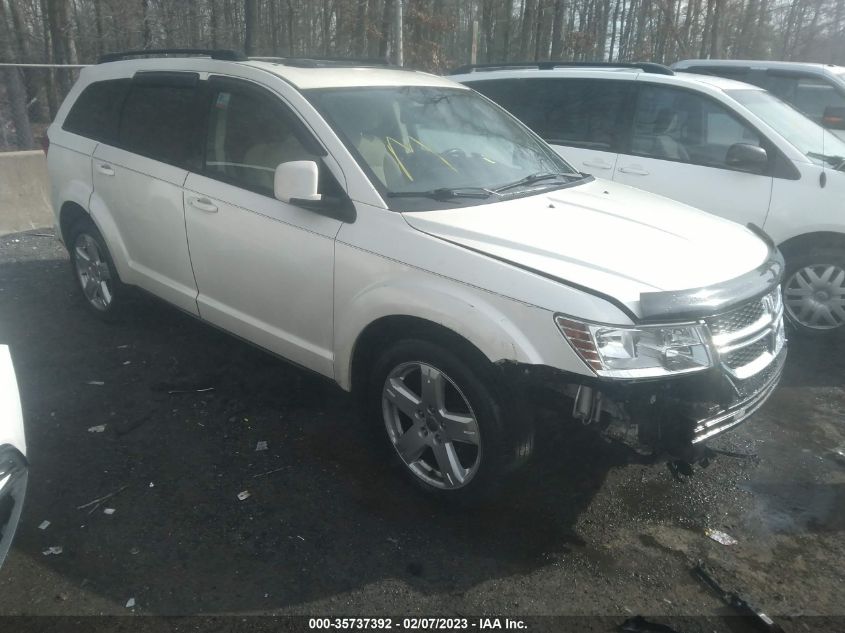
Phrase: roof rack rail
(647, 67)
(213, 53)
(325, 62)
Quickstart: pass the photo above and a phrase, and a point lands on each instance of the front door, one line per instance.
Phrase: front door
(264, 268)
(678, 148)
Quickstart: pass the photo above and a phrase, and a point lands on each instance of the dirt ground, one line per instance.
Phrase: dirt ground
(329, 529)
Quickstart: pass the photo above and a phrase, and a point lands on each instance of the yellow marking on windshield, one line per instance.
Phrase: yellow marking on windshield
(389, 142)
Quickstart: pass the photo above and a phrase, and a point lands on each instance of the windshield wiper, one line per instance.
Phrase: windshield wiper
(530, 180)
(445, 193)
(837, 162)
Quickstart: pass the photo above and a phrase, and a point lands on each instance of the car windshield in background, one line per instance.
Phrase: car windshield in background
(428, 148)
(810, 138)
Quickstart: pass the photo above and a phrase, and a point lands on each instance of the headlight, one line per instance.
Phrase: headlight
(638, 352)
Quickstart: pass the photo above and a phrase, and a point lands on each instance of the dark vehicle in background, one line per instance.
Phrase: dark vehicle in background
(816, 90)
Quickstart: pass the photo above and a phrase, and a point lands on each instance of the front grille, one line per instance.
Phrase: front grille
(737, 319)
(746, 335)
(745, 355)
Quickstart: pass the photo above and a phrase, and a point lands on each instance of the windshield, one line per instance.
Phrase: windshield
(431, 147)
(813, 140)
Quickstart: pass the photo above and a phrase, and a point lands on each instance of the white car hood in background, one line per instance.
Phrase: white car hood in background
(11, 418)
(604, 236)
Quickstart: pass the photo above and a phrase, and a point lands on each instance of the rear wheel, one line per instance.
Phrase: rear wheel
(94, 270)
(444, 420)
(814, 292)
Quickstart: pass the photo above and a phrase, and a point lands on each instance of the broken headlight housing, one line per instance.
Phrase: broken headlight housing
(639, 352)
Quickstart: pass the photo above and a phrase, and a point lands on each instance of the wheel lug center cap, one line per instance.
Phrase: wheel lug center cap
(822, 295)
(432, 424)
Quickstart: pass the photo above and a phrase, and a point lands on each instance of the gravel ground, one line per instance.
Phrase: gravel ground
(587, 529)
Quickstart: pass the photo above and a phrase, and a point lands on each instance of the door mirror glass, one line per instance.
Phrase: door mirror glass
(747, 157)
(297, 180)
(834, 118)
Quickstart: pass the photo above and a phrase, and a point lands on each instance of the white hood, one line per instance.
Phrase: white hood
(604, 236)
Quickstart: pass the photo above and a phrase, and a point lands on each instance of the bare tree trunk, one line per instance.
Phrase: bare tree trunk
(527, 29)
(557, 30)
(146, 28)
(250, 31)
(15, 89)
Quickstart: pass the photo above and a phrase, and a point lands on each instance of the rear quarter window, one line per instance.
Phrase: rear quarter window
(96, 113)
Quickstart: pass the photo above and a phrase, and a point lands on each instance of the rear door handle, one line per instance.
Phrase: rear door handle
(636, 171)
(597, 164)
(105, 169)
(203, 204)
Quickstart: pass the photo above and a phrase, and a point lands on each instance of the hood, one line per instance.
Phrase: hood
(607, 237)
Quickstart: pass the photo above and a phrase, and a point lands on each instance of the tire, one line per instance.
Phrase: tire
(457, 442)
(92, 266)
(814, 292)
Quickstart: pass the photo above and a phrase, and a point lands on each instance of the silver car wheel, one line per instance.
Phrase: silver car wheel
(431, 425)
(92, 272)
(814, 296)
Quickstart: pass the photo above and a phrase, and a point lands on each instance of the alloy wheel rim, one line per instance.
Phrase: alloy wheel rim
(814, 296)
(92, 272)
(431, 425)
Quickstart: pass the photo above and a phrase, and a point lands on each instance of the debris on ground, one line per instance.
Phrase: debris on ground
(180, 387)
(721, 537)
(43, 525)
(152, 485)
(122, 347)
(55, 550)
(730, 598)
(130, 604)
(261, 446)
(96, 502)
(638, 624)
(108, 511)
(98, 383)
(839, 454)
(127, 362)
(243, 495)
(269, 472)
(97, 429)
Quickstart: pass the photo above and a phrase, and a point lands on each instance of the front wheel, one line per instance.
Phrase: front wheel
(444, 420)
(814, 292)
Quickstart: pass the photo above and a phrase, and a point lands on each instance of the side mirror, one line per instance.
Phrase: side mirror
(834, 118)
(296, 180)
(747, 157)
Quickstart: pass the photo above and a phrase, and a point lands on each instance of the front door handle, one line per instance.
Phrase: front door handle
(105, 169)
(597, 164)
(634, 170)
(203, 204)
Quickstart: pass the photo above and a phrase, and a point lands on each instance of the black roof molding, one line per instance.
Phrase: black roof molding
(214, 53)
(647, 67)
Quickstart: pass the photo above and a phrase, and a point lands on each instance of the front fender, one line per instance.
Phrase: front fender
(501, 328)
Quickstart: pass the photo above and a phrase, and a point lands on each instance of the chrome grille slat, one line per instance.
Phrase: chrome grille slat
(746, 336)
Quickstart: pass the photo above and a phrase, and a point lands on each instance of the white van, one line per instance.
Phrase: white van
(401, 235)
(725, 147)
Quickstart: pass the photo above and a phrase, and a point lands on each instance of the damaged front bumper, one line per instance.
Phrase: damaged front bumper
(677, 416)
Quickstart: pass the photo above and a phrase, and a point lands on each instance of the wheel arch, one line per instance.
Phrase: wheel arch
(807, 241)
(69, 214)
(391, 328)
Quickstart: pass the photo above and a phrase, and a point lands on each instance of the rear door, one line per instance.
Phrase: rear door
(678, 147)
(584, 120)
(139, 182)
(264, 268)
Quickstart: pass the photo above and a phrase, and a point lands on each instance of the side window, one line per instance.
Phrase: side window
(682, 126)
(578, 112)
(96, 113)
(159, 122)
(249, 135)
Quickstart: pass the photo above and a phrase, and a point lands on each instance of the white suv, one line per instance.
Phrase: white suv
(403, 236)
(719, 145)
